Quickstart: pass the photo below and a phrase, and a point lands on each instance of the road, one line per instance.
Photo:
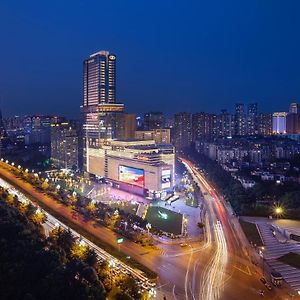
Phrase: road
(229, 274)
(214, 269)
(51, 223)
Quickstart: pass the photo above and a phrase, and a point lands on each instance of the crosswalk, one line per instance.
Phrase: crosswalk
(275, 249)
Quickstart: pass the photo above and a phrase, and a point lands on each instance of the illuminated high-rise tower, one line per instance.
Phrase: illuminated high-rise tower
(99, 101)
(99, 79)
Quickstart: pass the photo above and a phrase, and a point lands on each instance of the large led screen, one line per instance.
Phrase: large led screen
(165, 179)
(132, 175)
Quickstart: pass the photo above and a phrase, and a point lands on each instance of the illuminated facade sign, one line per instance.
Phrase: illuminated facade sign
(165, 179)
(132, 176)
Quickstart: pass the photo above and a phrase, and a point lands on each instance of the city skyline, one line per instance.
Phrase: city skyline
(253, 63)
(150, 150)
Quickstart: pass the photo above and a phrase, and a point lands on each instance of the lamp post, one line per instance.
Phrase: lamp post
(278, 211)
(261, 253)
(148, 227)
(111, 265)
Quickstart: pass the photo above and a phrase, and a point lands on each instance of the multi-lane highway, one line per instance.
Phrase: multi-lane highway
(216, 268)
(229, 273)
(51, 222)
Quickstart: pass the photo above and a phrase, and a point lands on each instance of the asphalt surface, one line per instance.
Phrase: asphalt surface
(214, 269)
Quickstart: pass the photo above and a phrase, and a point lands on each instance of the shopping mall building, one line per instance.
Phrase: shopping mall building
(140, 167)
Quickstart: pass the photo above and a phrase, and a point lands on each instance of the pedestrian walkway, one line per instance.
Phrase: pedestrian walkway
(290, 274)
(275, 249)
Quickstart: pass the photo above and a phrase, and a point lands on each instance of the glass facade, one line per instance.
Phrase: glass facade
(99, 79)
(99, 101)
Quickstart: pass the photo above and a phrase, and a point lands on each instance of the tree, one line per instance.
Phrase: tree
(91, 258)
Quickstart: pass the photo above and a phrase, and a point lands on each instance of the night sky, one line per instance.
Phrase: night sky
(172, 55)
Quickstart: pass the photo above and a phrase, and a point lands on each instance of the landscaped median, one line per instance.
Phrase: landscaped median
(99, 235)
(251, 232)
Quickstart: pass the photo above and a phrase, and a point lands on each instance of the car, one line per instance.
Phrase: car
(152, 284)
(268, 286)
(263, 280)
(144, 286)
(183, 245)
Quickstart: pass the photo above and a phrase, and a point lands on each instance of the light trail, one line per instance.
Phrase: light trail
(212, 279)
(52, 222)
(187, 276)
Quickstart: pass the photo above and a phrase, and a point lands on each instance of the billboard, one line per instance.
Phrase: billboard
(165, 179)
(132, 175)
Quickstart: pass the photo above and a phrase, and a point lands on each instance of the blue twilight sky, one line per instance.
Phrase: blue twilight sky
(172, 55)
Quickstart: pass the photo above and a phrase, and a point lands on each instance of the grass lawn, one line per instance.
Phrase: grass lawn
(291, 259)
(125, 206)
(251, 233)
(171, 224)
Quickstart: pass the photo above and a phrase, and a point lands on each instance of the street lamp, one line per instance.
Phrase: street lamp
(82, 243)
(261, 253)
(148, 227)
(278, 211)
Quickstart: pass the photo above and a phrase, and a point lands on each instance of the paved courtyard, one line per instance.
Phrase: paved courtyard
(276, 247)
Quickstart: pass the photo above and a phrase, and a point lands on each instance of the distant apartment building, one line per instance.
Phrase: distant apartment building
(125, 126)
(240, 120)
(182, 131)
(38, 129)
(250, 151)
(294, 108)
(293, 119)
(160, 136)
(64, 146)
(279, 122)
(252, 124)
(203, 125)
(225, 124)
(154, 120)
(264, 124)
